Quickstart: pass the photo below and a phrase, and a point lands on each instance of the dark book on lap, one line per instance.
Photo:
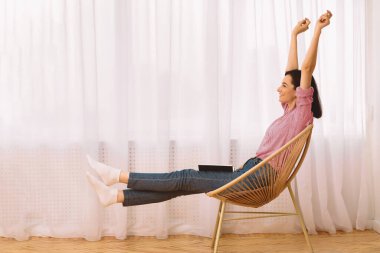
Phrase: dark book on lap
(216, 168)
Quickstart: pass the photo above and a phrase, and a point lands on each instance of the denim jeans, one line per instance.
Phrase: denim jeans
(146, 188)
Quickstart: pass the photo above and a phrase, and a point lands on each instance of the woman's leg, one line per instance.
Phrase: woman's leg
(182, 180)
(174, 181)
(108, 196)
(190, 180)
(132, 197)
(157, 187)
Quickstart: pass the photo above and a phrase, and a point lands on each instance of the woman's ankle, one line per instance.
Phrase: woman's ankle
(124, 177)
(120, 196)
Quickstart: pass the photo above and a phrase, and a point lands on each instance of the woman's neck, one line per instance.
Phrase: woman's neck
(291, 105)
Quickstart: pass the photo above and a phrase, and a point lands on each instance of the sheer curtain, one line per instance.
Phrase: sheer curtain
(372, 101)
(164, 85)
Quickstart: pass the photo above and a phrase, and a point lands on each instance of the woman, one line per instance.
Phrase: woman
(299, 98)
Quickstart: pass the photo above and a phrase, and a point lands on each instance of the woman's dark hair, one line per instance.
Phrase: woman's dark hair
(316, 107)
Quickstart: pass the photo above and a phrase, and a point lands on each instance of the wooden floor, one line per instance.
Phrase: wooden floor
(357, 241)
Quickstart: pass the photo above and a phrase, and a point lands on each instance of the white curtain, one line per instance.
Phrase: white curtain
(163, 85)
(373, 102)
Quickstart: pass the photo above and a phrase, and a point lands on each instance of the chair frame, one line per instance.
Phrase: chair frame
(223, 201)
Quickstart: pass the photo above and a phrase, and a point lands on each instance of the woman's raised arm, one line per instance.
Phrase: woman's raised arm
(310, 60)
(301, 26)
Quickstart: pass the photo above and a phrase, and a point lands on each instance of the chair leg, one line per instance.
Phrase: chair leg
(216, 225)
(219, 226)
(298, 210)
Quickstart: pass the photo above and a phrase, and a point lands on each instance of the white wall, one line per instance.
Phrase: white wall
(373, 98)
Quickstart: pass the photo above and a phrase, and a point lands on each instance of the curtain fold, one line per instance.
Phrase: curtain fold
(372, 93)
(163, 85)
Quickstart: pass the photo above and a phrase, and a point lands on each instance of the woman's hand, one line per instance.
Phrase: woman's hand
(301, 26)
(323, 21)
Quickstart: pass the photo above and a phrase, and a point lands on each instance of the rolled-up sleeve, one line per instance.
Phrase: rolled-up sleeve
(304, 115)
(304, 96)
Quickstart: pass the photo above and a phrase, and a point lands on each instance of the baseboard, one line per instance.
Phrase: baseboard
(376, 226)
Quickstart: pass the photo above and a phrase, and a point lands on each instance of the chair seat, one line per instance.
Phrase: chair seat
(253, 198)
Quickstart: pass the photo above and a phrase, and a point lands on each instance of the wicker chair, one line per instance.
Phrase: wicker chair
(266, 186)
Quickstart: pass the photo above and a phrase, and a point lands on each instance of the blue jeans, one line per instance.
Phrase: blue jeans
(146, 188)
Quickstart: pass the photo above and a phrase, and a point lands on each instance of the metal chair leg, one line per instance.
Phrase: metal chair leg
(298, 210)
(216, 225)
(219, 226)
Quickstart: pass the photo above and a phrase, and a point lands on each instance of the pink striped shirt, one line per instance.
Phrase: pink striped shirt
(288, 125)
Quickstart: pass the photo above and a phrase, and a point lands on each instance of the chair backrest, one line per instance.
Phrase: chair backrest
(265, 181)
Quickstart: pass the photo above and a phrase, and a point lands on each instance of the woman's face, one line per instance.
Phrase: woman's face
(287, 93)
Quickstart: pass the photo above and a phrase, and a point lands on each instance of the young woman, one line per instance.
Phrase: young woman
(299, 98)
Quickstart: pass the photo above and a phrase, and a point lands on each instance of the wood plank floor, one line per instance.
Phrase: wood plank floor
(357, 241)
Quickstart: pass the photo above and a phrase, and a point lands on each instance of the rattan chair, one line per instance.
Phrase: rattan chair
(282, 166)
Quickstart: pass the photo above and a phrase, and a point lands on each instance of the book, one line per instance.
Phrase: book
(216, 168)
